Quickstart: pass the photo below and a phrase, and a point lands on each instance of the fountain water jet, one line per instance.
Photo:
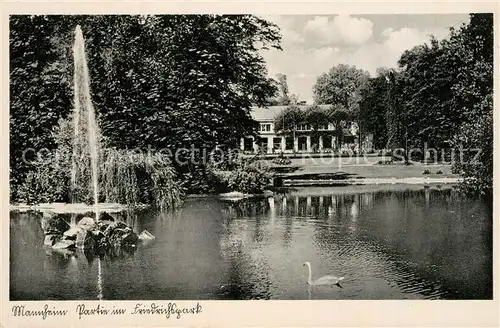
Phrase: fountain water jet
(99, 235)
(84, 113)
(86, 138)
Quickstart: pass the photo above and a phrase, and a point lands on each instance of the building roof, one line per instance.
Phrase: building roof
(269, 113)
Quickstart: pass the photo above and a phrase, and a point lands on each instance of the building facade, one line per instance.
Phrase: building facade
(305, 139)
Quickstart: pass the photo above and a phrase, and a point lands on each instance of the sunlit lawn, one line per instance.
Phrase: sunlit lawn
(365, 168)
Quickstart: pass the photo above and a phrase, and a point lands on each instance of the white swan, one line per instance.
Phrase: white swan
(325, 280)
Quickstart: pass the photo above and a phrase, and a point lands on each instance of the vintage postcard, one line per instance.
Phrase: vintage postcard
(249, 164)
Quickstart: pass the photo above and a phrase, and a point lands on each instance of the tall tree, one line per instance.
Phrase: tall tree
(373, 106)
(427, 77)
(472, 47)
(289, 119)
(341, 86)
(283, 96)
(338, 114)
(442, 96)
(39, 91)
(396, 117)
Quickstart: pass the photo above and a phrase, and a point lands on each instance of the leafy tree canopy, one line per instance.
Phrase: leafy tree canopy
(157, 81)
(289, 119)
(341, 85)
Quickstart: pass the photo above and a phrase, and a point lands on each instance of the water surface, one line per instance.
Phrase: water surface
(400, 244)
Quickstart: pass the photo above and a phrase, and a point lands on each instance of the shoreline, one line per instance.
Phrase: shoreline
(80, 208)
(370, 181)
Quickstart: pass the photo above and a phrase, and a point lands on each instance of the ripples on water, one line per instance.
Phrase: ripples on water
(410, 244)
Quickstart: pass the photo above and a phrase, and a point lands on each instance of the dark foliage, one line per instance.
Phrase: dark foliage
(157, 82)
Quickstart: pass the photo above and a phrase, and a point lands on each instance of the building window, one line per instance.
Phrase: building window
(265, 127)
(302, 143)
(303, 127)
(327, 142)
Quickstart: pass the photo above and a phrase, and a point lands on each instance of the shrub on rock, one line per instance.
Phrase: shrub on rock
(130, 238)
(87, 234)
(53, 224)
(123, 236)
(85, 240)
(104, 216)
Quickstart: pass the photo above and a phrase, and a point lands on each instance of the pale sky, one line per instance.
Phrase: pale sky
(314, 44)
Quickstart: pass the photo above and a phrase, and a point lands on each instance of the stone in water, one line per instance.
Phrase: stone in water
(65, 243)
(87, 223)
(50, 240)
(146, 235)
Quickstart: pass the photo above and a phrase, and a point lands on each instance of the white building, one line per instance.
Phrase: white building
(305, 139)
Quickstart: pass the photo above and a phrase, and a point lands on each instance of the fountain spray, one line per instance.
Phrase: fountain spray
(84, 113)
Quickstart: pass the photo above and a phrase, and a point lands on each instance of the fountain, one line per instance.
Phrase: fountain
(126, 180)
(85, 127)
(93, 236)
(84, 109)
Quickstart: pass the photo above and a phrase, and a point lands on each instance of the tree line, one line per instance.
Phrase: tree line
(175, 81)
(439, 96)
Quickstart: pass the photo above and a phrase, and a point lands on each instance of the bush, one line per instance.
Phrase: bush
(205, 180)
(477, 134)
(46, 183)
(250, 182)
(251, 177)
(124, 177)
(439, 172)
(148, 179)
(427, 171)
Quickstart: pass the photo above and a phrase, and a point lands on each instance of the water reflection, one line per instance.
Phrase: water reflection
(408, 240)
(424, 243)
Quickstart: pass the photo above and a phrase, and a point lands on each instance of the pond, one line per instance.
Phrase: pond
(417, 243)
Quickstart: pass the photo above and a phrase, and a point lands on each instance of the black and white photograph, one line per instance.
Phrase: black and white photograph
(250, 157)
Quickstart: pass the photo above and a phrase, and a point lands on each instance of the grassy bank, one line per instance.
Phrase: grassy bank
(372, 172)
(314, 170)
